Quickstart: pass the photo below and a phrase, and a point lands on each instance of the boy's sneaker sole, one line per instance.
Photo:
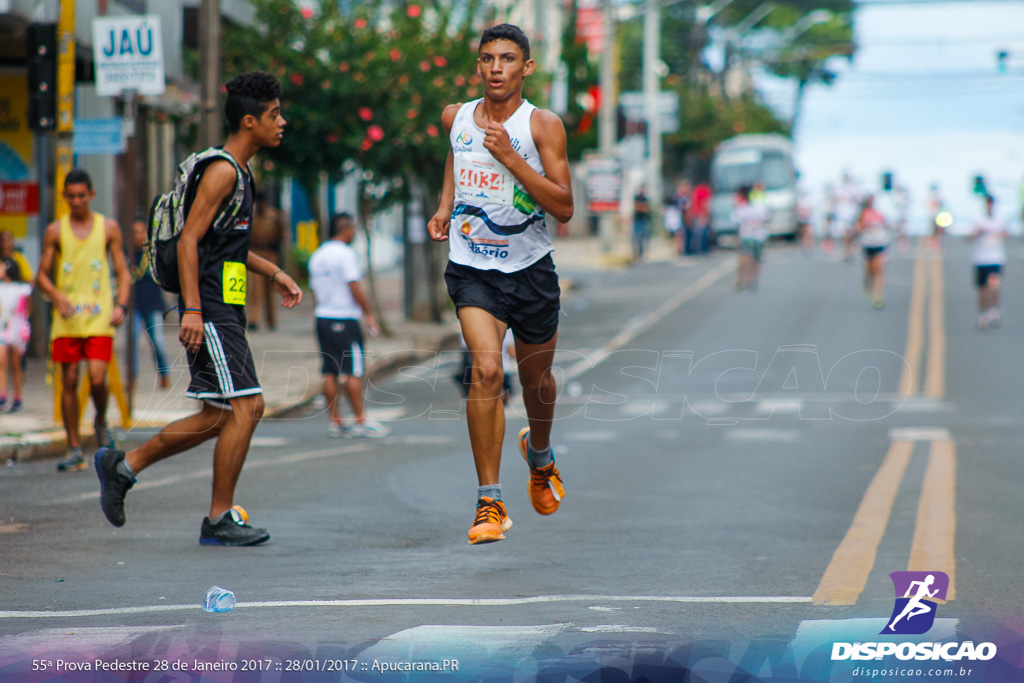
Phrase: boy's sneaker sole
(113, 485)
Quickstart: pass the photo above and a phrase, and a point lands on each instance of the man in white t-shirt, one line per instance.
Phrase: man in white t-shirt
(989, 256)
(334, 276)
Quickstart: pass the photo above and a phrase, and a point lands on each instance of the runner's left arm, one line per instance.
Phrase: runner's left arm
(291, 293)
(553, 190)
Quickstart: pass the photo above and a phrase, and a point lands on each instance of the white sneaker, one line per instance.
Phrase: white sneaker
(368, 429)
(994, 319)
(337, 429)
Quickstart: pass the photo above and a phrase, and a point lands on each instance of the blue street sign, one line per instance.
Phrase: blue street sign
(98, 136)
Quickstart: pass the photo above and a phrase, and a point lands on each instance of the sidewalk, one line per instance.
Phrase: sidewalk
(287, 360)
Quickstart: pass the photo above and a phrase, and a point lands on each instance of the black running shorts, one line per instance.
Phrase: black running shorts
(223, 367)
(527, 301)
(341, 346)
(983, 273)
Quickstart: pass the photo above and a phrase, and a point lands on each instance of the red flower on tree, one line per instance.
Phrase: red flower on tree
(395, 54)
(365, 113)
(432, 131)
(376, 133)
(414, 11)
(359, 23)
(424, 66)
(440, 61)
(296, 78)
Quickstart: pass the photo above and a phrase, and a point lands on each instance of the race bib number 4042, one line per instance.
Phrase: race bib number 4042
(480, 177)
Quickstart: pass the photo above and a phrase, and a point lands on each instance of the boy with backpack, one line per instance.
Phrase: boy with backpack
(209, 252)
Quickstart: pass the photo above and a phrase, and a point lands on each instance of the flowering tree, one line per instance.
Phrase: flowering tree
(362, 92)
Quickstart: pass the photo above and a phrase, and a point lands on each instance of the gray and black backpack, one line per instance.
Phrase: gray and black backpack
(168, 212)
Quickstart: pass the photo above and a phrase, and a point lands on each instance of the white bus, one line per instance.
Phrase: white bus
(748, 160)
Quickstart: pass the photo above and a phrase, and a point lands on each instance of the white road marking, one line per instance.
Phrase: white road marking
(920, 434)
(781, 406)
(268, 442)
(618, 628)
(412, 602)
(775, 435)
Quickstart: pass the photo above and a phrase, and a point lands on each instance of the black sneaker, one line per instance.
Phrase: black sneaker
(75, 461)
(231, 530)
(113, 484)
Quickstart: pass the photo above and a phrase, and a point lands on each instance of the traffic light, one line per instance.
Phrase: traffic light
(42, 76)
(1001, 57)
(979, 185)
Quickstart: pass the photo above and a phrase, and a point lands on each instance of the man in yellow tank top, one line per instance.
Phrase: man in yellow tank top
(75, 275)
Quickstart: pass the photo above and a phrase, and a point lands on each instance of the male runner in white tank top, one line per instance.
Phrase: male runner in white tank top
(507, 169)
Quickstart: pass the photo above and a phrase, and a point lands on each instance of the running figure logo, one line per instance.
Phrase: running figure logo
(916, 596)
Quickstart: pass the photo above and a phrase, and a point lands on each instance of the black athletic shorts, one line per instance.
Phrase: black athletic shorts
(527, 300)
(872, 252)
(341, 345)
(223, 367)
(982, 274)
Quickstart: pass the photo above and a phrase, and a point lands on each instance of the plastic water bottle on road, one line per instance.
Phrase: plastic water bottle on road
(218, 600)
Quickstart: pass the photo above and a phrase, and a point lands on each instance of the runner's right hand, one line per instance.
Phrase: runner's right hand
(191, 335)
(439, 225)
(63, 305)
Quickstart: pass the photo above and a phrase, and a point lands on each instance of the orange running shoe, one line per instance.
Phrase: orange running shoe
(545, 486)
(491, 522)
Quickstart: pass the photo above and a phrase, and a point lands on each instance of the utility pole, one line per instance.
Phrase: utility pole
(652, 86)
(606, 113)
(209, 72)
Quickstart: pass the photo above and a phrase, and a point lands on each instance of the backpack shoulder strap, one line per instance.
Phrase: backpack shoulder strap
(199, 163)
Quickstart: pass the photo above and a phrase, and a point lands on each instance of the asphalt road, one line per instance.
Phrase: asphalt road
(743, 472)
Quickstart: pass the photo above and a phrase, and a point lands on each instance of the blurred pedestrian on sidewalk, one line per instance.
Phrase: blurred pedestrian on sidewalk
(15, 308)
(700, 218)
(334, 277)
(213, 323)
(267, 240)
(500, 273)
(75, 275)
(641, 224)
(149, 311)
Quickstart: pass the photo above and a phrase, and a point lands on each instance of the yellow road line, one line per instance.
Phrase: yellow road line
(934, 533)
(935, 376)
(915, 326)
(847, 573)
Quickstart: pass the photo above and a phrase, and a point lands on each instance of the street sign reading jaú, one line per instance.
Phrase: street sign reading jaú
(128, 54)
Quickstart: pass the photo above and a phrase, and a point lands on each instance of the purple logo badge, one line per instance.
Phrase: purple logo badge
(916, 596)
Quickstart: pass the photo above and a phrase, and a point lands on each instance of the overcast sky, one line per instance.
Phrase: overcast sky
(923, 99)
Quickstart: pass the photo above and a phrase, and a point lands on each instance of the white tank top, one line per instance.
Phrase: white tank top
(496, 225)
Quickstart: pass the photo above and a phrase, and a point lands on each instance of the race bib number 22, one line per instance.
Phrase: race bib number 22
(234, 283)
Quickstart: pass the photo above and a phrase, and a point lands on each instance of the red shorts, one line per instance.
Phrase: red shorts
(74, 349)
